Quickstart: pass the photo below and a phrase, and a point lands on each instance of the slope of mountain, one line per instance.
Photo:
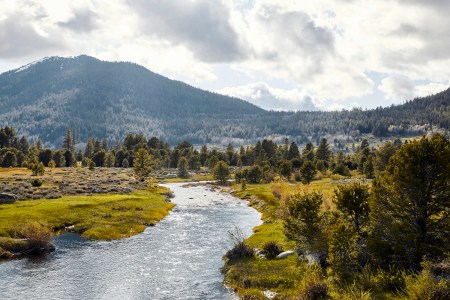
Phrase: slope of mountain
(108, 100)
(103, 99)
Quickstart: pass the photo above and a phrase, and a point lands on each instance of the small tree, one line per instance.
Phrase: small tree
(110, 160)
(85, 162)
(343, 251)
(142, 163)
(285, 169)
(9, 160)
(221, 172)
(38, 169)
(307, 171)
(125, 163)
(353, 202)
(52, 164)
(183, 167)
(303, 223)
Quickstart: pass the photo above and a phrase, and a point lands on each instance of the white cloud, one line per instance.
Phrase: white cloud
(326, 48)
(400, 88)
(270, 98)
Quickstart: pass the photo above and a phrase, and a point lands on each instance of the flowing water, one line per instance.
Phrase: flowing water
(179, 258)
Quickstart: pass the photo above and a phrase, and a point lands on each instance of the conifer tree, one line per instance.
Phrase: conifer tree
(410, 204)
(142, 163)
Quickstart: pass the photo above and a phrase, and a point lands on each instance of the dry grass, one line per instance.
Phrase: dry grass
(68, 181)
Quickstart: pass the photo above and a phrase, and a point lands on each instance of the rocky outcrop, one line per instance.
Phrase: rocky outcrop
(7, 198)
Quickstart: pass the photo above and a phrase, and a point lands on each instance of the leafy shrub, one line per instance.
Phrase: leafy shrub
(297, 177)
(316, 290)
(37, 235)
(353, 292)
(391, 280)
(272, 249)
(426, 286)
(312, 285)
(36, 182)
(240, 250)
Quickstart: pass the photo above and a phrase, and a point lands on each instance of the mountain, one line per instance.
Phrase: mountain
(104, 99)
(110, 99)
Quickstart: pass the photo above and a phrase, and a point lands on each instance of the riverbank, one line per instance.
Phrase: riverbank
(98, 217)
(256, 277)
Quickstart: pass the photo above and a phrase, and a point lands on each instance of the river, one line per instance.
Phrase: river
(179, 258)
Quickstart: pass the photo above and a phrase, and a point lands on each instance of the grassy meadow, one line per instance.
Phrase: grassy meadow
(94, 214)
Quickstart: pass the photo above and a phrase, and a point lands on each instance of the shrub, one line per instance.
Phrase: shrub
(37, 235)
(240, 250)
(36, 182)
(312, 285)
(317, 290)
(37, 169)
(51, 164)
(272, 249)
(426, 286)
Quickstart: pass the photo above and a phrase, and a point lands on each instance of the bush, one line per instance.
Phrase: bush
(317, 290)
(37, 235)
(240, 250)
(36, 182)
(312, 285)
(272, 249)
(426, 286)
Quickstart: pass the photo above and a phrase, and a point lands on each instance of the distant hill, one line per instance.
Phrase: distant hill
(101, 99)
(110, 99)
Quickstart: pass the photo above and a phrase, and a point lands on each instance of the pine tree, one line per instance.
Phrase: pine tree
(89, 149)
(73, 142)
(303, 223)
(110, 160)
(67, 142)
(142, 163)
(410, 204)
(323, 151)
(293, 151)
(183, 167)
(221, 172)
(353, 202)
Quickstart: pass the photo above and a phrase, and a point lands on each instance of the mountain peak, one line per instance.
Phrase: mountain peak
(102, 98)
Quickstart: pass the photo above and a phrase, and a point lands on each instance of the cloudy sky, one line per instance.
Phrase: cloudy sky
(284, 54)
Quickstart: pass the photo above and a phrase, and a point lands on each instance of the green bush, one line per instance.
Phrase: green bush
(426, 286)
(37, 235)
(272, 249)
(312, 285)
(240, 250)
(317, 290)
(36, 182)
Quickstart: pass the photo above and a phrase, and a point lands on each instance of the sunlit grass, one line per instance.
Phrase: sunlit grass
(279, 275)
(102, 217)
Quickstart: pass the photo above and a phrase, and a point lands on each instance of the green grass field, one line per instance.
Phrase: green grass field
(100, 217)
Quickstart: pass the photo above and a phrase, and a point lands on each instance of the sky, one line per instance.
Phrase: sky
(279, 55)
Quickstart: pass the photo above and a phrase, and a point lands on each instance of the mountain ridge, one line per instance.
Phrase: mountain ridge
(110, 99)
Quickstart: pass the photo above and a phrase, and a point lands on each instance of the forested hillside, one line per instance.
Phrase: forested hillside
(108, 100)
